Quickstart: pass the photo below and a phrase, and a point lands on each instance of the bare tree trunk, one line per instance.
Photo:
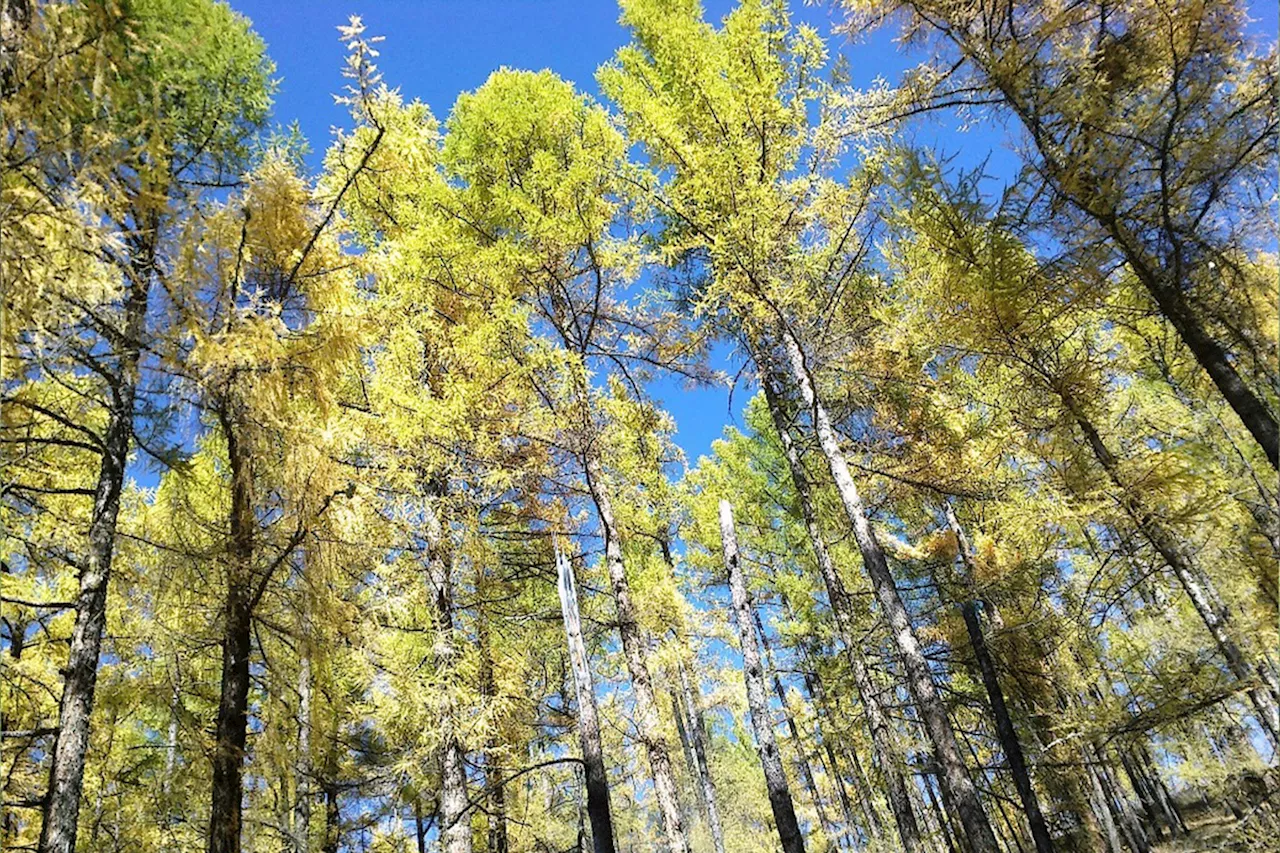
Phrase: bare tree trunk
(802, 760)
(302, 767)
(634, 649)
(1005, 731)
(597, 783)
(877, 720)
(701, 748)
(696, 730)
(66, 770)
(957, 788)
(233, 707)
(1199, 588)
(775, 777)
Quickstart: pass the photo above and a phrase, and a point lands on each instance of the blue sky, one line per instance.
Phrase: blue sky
(435, 49)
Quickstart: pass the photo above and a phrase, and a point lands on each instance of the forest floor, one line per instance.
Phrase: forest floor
(1216, 830)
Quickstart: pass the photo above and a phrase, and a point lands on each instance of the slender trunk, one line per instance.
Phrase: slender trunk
(696, 730)
(802, 761)
(1160, 277)
(495, 789)
(1146, 797)
(1005, 731)
(597, 782)
(1167, 805)
(1121, 812)
(957, 788)
(332, 820)
(1204, 597)
(686, 746)
(701, 749)
(455, 822)
(66, 770)
(862, 784)
(635, 649)
(939, 814)
(813, 685)
(17, 642)
(775, 778)
(1209, 354)
(1102, 808)
(419, 825)
(302, 767)
(877, 720)
(233, 706)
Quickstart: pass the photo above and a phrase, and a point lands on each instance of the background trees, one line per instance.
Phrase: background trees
(989, 563)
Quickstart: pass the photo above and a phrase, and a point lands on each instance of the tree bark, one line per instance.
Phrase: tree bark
(1005, 730)
(66, 770)
(634, 649)
(775, 778)
(233, 705)
(877, 721)
(701, 748)
(802, 761)
(957, 788)
(597, 782)
(302, 767)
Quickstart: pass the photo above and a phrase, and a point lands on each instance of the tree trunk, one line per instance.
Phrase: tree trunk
(496, 793)
(701, 747)
(1005, 731)
(877, 720)
(635, 649)
(332, 819)
(1208, 352)
(802, 761)
(66, 770)
(302, 768)
(696, 730)
(957, 788)
(775, 777)
(1204, 597)
(455, 822)
(597, 783)
(233, 705)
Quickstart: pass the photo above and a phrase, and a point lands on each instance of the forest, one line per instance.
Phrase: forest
(340, 511)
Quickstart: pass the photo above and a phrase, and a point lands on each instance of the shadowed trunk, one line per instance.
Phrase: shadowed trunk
(877, 721)
(597, 782)
(66, 770)
(636, 650)
(775, 778)
(1005, 731)
(233, 707)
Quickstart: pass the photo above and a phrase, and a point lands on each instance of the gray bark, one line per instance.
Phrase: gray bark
(634, 648)
(66, 770)
(701, 748)
(597, 782)
(877, 720)
(957, 787)
(302, 766)
(455, 822)
(1265, 692)
(775, 777)
(1005, 731)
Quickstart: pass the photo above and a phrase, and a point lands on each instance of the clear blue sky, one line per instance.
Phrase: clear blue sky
(435, 49)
